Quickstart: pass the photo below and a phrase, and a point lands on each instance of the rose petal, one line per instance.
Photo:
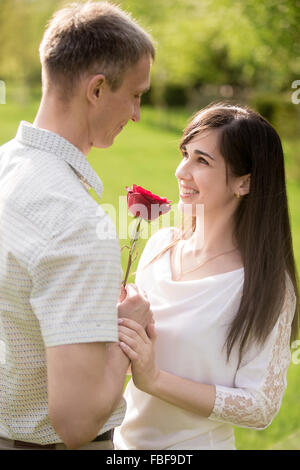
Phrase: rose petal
(152, 197)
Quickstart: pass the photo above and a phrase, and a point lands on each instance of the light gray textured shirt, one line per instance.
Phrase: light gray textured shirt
(60, 275)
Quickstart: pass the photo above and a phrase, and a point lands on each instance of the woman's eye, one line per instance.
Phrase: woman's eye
(202, 160)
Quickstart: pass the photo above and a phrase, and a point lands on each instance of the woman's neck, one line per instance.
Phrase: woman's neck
(213, 235)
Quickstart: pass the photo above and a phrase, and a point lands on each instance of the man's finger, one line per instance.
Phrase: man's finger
(150, 330)
(123, 294)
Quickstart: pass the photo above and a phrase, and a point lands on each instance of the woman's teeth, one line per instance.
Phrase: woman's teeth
(188, 191)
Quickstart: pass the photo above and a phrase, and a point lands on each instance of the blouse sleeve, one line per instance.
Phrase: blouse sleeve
(261, 379)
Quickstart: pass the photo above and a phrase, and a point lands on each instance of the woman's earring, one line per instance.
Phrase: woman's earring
(237, 195)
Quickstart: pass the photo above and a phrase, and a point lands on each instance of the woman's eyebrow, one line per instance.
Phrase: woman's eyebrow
(199, 152)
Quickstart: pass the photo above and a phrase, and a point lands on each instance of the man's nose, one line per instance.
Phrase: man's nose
(136, 114)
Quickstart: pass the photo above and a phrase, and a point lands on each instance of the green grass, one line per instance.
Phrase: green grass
(285, 424)
(147, 154)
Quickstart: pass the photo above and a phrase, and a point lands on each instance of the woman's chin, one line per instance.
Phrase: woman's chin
(190, 209)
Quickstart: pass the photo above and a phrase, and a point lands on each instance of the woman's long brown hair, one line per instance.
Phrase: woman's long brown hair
(249, 144)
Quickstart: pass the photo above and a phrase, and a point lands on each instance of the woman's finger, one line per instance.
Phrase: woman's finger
(125, 332)
(133, 325)
(132, 355)
(128, 331)
(128, 340)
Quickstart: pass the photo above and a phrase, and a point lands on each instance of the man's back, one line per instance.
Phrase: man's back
(59, 281)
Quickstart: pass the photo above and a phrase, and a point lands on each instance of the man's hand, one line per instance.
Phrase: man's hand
(134, 305)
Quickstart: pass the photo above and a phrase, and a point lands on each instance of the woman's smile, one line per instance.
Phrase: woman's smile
(186, 192)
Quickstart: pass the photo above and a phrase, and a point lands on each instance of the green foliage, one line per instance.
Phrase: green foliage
(245, 44)
(220, 41)
(279, 110)
(21, 27)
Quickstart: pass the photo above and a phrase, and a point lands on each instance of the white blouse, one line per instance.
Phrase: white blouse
(191, 320)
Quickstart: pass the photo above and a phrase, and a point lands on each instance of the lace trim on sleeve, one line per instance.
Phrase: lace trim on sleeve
(256, 408)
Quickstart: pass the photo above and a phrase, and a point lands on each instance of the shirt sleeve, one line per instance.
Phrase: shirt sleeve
(76, 283)
(261, 379)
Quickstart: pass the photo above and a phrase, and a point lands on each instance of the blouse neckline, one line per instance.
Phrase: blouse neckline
(197, 280)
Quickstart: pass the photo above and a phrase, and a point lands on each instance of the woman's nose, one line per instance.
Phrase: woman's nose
(182, 171)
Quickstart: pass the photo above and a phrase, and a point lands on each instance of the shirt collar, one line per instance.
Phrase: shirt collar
(50, 142)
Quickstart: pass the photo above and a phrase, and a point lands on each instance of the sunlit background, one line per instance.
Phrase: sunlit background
(242, 51)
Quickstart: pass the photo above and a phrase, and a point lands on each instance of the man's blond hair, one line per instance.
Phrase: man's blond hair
(91, 37)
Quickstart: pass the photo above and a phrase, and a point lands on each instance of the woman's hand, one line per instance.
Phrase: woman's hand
(139, 348)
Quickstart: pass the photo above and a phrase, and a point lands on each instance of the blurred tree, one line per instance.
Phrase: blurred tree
(243, 44)
(21, 28)
(276, 24)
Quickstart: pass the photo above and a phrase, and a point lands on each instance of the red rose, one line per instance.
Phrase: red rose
(143, 205)
(146, 205)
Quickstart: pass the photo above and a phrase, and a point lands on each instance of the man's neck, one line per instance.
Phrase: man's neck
(64, 121)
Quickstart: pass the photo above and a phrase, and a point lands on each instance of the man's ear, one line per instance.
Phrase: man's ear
(95, 87)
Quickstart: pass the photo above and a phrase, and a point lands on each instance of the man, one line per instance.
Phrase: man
(62, 372)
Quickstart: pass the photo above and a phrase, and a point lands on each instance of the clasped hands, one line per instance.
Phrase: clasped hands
(137, 336)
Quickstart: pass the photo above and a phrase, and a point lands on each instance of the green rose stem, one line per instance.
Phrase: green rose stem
(132, 247)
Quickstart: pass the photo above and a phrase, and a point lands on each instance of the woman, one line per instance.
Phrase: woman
(224, 294)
